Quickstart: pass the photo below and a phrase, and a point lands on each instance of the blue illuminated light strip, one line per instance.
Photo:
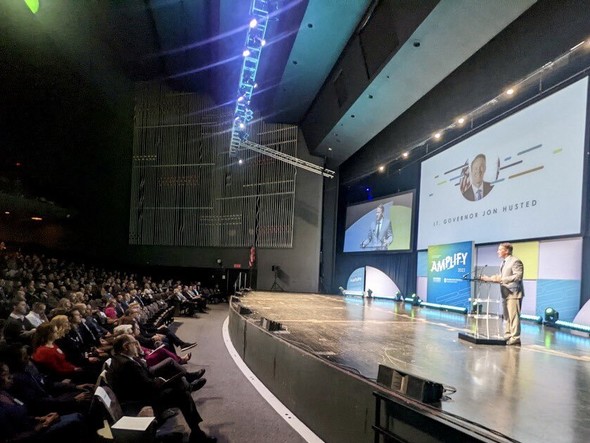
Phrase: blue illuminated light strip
(444, 307)
(535, 318)
(255, 41)
(574, 326)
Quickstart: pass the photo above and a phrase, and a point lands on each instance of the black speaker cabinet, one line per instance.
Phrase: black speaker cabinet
(270, 325)
(417, 388)
(245, 310)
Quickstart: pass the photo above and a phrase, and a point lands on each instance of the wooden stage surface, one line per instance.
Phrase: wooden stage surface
(536, 392)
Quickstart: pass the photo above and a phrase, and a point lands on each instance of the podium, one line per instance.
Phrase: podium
(484, 318)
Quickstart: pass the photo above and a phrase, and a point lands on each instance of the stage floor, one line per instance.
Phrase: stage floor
(536, 392)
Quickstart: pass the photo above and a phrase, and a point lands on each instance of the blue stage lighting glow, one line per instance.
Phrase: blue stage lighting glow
(444, 307)
(574, 326)
(535, 318)
(255, 40)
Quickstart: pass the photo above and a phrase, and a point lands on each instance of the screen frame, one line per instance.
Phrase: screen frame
(413, 222)
(502, 114)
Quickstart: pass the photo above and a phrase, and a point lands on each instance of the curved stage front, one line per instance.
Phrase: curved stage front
(324, 361)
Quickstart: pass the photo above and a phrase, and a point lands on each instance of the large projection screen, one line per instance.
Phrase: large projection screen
(391, 230)
(521, 178)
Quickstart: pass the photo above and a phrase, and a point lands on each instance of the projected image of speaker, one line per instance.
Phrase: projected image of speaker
(270, 325)
(414, 387)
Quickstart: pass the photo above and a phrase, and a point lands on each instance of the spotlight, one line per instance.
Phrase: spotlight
(510, 91)
(381, 168)
(551, 316)
(246, 52)
(262, 42)
(242, 125)
(414, 300)
(240, 161)
(405, 154)
(438, 135)
(253, 23)
(461, 120)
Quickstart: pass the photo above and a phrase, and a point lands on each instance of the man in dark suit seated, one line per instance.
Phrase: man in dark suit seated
(134, 384)
(17, 329)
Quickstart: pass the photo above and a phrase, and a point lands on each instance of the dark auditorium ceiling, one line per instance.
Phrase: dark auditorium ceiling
(196, 45)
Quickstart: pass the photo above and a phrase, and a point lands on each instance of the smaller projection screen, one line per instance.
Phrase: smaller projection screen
(520, 178)
(380, 225)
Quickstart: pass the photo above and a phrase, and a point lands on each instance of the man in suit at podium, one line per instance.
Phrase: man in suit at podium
(380, 234)
(510, 279)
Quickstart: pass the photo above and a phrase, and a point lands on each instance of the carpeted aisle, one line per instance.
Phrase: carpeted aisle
(232, 410)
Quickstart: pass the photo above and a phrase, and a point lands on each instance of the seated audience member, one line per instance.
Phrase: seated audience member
(153, 357)
(17, 329)
(161, 334)
(37, 314)
(39, 394)
(110, 310)
(72, 343)
(162, 363)
(90, 325)
(17, 425)
(51, 359)
(135, 386)
(63, 307)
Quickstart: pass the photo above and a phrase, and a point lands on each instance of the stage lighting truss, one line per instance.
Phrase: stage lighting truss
(286, 158)
(243, 114)
(255, 40)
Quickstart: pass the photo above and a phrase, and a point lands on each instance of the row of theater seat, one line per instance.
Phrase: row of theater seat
(107, 408)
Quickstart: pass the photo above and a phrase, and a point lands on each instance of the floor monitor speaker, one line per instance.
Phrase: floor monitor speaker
(415, 387)
(270, 325)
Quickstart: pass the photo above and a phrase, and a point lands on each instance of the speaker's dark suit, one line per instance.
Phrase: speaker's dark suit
(468, 194)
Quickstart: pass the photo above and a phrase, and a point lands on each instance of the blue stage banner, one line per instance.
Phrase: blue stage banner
(356, 282)
(448, 266)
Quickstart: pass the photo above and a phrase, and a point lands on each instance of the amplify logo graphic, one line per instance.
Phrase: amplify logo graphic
(449, 262)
